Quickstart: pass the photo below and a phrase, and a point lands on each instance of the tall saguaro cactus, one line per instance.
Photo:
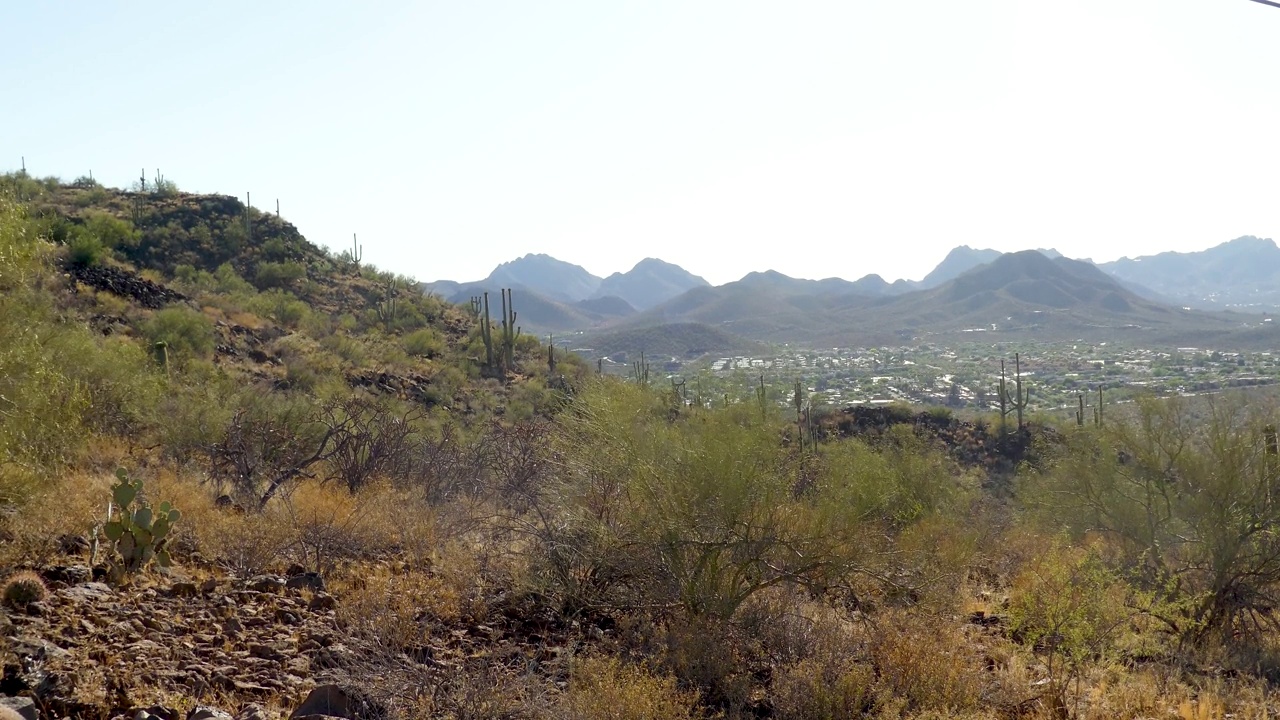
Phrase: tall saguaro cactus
(1015, 398)
(641, 369)
(510, 331)
(486, 332)
(389, 305)
(357, 253)
(504, 355)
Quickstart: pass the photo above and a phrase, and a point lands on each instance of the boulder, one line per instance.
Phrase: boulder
(207, 713)
(308, 580)
(266, 584)
(12, 708)
(338, 701)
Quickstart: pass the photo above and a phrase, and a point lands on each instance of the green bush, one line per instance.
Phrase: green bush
(187, 332)
(113, 232)
(1187, 495)
(424, 343)
(84, 249)
(279, 274)
(281, 306)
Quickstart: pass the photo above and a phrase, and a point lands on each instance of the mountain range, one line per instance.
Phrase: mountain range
(1170, 298)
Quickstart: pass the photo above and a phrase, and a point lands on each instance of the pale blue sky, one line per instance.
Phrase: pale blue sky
(816, 139)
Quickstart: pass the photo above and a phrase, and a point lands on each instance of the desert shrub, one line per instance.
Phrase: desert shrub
(703, 511)
(608, 689)
(20, 248)
(272, 440)
(825, 689)
(112, 232)
(1069, 607)
(376, 440)
(281, 306)
(85, 249)
(188, 333)
(117, 378)
(924, 662)
(351, 350)
(899, 481)
(278, 274)
(1186, 501)
(328, 526)
(424, 343)
(229, 282)
(711, 655)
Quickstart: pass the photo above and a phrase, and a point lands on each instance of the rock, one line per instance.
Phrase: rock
(156, 712)
(339, 701)
(208, 586)
(69, 574)
(36, 649)
(207, 713)
(266, 652)
(266, 584)
(24, 708)
(182, 589)
(323, 601)
(308, 580)
(73, 544)
(252, 712)
(90, 592)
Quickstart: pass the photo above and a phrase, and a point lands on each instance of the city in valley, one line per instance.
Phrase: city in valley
(1057, 375)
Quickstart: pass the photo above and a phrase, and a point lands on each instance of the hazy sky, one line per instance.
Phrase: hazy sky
(816, 139)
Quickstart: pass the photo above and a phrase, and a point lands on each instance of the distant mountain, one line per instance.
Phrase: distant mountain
(958, 261)
(1023, 294)
(609, 306)
(556, 279)
(649, 283)
(536, 313)
(1243, 273)
(876, 286)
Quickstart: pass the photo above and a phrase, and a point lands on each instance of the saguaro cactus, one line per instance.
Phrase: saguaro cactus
(510, 331)
(641, 369)
(1015, 399)
(504, 355)
(161, 350)
(389, 305)
(357, 253)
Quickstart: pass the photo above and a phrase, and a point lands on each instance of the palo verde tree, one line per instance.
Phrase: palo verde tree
(1191, 496)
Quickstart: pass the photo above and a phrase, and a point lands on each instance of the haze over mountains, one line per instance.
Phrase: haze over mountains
(1168, 297)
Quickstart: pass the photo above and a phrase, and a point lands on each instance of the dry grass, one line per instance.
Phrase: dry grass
(608, 689)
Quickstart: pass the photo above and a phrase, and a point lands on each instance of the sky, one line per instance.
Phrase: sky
(818, 139)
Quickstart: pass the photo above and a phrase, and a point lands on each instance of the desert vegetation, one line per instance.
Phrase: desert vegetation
(236, 469)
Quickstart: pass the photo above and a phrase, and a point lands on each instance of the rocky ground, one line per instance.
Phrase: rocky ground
(269, 646)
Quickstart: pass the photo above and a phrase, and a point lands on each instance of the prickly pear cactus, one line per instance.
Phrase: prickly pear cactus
(138, 533)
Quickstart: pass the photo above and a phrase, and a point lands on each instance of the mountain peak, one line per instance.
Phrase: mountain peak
(958, 261)
(650, 282)
(545, 274)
